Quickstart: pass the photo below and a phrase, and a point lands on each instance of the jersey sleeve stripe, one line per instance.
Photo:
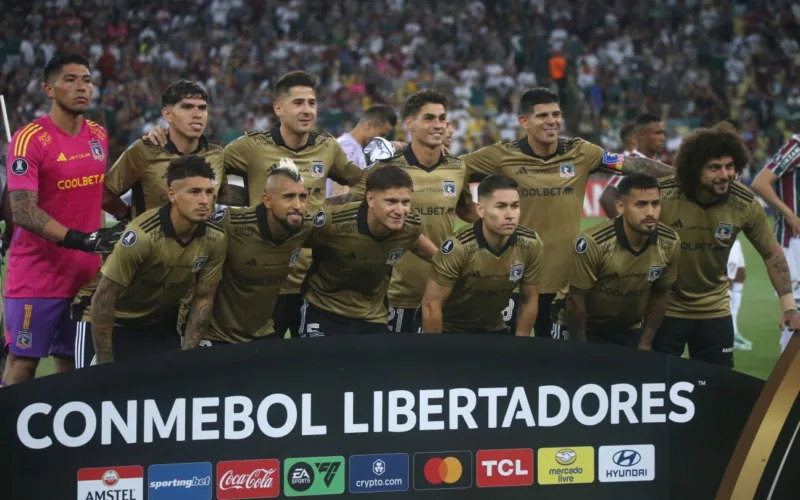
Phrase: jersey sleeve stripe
(605, 237)
(742, 192)
(344, 213)
(602, 232)
(21, 146)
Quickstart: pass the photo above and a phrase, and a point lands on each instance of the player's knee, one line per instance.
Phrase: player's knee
(20, 369)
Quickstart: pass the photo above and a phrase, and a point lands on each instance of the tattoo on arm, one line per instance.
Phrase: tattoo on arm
(25, 207)
(199, 314)
(233, 195)
(646, 166)
(778, 271)
(103, 303)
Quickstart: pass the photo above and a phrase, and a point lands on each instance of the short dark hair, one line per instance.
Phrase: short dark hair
(55, 65)
(532, 97)
(294, 79)
(636, 181)
(388, 177)
(626, 132)
(701, 146)
(493, 183)
(646, 119)
(188, 166)
(419, 99)
(380, 113)
(180, 90)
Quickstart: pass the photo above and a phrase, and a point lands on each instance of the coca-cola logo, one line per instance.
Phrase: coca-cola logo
(257, 479)
(245, 479)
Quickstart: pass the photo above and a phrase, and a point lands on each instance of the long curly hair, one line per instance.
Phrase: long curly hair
(699, 148)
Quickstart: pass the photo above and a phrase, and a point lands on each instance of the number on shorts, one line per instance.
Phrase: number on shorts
(312, 328)
(399, 323)
(508, 312)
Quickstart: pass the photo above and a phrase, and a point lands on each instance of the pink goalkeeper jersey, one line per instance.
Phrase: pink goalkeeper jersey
(68, 174)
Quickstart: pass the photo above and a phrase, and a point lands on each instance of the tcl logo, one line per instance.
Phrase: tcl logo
(245, 479)
(504, 468)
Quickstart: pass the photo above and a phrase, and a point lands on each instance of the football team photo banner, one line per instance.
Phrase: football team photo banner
(459, 415)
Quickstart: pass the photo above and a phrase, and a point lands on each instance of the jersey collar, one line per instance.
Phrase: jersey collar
(169, 229)
(275, 132)
(363, 227)
(525, 147)
(477, 228)
(619, 229)
(412, 160)
(172, 148)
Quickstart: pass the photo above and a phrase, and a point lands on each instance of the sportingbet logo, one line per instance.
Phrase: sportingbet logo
(313, 476)
(497, 468)
(180, 481)
(245, 479)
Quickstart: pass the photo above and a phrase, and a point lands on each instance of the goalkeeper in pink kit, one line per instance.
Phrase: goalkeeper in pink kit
(56, 166)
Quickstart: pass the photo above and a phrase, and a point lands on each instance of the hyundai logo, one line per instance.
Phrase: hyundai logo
(627, 458)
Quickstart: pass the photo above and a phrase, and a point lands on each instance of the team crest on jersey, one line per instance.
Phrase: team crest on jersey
(566, 170)
(724, 231)
(199, 262)
(218, 215)
(655, 272)
(317, 169)
(448, 246)
(24, 339)
(97, 150)
(581, 245)
(449, 189)
(516, 272)
(19, 166)
(320, 218)
(129, 238)
(394, 256)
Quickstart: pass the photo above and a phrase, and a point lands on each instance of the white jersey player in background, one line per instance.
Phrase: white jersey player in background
(377, 121)
(736, 276)
(777, 185)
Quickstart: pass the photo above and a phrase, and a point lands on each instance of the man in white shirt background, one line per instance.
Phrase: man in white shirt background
(377, 121)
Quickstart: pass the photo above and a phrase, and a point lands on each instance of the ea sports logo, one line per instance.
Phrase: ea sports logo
(447, 470)
(110, 478)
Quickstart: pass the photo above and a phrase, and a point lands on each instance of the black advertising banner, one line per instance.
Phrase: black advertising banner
(450, 416)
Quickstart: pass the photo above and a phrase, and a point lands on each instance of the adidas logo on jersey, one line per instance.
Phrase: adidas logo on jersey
(251, 262)
(677, 223)
(350, 256)
(522, 171)
(61, 157)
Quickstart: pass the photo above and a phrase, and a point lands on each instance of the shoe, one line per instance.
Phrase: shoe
(740, 343)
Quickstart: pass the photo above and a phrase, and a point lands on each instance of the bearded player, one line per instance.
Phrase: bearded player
(55, 166)
(705, 204)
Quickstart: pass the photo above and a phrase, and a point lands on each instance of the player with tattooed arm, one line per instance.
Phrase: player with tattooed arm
(705, 204)
(55, 182)
(162, 254)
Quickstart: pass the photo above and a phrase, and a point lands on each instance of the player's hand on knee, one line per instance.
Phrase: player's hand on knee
(159, 136)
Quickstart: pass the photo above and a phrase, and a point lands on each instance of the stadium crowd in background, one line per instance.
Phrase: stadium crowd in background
(695, 61)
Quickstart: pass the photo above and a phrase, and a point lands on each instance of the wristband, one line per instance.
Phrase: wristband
(74, 240)
(788, 303)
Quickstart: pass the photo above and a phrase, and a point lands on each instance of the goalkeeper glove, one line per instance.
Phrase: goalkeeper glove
(100, 241)
(378, 149)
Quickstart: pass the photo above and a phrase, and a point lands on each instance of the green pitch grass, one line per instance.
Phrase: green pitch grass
(758, 317)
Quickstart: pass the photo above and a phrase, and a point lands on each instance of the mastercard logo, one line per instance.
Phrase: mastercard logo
(443, 470)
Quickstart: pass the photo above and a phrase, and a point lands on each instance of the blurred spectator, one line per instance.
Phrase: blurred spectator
(698, 61)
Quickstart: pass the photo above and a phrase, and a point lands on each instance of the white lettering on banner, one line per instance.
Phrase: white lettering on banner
(234, 417)
(199, 418)
(426, 410)
(257, 479)
(176, 420)
(125, 426)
